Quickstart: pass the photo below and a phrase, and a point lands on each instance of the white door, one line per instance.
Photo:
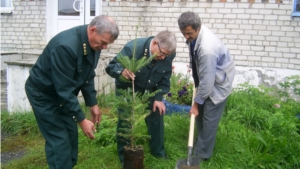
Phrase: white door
(65, 14)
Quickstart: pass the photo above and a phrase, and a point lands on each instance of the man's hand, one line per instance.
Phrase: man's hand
(88, 128)
(160, 106)
(96, 114)
(194, 110)
(128, 74)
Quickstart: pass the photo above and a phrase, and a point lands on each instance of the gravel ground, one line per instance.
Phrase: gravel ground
(8, 156)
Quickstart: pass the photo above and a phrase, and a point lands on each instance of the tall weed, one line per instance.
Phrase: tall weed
(252, 134)
(19, 123)
(272, 137)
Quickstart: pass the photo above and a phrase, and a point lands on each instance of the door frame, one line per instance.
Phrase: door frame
(52, 15)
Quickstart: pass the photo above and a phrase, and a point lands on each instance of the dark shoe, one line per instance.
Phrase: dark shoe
(162, 157)
(203, 159)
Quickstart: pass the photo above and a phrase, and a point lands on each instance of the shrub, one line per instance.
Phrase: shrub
(181, 89)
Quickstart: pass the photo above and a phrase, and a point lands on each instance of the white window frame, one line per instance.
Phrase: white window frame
(294, 12)
(8, 8)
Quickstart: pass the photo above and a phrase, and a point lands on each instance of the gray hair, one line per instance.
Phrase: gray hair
(166, 40)
(105, 24)
(189, 19)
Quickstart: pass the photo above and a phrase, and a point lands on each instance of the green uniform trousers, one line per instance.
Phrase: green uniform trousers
(155, 124)
(57, 126)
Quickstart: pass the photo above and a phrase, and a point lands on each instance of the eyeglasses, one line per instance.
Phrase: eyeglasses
(162, 53)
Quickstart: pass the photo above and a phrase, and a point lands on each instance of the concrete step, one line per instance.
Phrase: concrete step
(3, 90)
(3, 106)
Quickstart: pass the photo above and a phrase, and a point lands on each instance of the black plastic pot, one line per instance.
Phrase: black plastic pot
(133, 157)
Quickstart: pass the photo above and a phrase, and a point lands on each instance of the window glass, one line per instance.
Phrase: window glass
(6, 3)
(92, 8)
(6, 6)
(296, 8)
(65, 8)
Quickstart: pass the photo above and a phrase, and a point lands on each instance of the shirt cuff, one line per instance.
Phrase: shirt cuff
(158, 97)
(198, 100)
(79, 117)
(91, 101)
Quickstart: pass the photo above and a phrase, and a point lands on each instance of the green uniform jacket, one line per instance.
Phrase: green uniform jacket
(65, 67)
(150, 77)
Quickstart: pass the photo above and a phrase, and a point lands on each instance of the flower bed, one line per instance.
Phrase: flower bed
(181, 88)
(176, 108)
(179, 98)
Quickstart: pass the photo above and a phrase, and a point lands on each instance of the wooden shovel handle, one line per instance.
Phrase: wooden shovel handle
(191, 132)
(192, 122)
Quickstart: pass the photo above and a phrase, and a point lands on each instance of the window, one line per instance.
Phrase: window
(92, 7)
(66, 8)
(6, 6)
(296, 8)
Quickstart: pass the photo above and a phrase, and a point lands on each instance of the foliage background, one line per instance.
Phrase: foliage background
(181, 89)
(257, 131)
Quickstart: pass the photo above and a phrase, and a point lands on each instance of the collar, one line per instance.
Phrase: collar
(150, 47)
(86, 49)
(194, 42)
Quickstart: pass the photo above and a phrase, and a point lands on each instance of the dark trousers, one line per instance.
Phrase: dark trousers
(155, 124)
(58, 128)
(207, 123)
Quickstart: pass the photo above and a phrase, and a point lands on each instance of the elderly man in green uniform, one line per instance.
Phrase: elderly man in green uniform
(155, 76)
(66, 67)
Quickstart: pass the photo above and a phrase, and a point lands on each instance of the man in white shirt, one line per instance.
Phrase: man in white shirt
(213, 72)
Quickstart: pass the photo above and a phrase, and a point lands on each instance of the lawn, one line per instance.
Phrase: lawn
(253, 133)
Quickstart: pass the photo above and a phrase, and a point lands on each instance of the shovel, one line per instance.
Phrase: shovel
(190, 162)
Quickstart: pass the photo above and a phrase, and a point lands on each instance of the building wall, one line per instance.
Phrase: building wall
(258, 33)
(25, 28)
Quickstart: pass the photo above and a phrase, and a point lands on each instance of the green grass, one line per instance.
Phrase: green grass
(252, 134)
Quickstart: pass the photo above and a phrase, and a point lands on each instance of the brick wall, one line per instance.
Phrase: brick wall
(25, 28)
(258, 33)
